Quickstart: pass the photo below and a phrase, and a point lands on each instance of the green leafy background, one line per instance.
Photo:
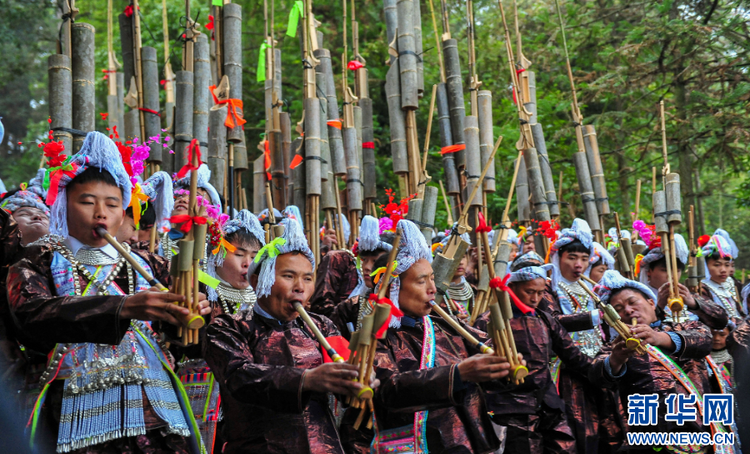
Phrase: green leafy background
(626, 57)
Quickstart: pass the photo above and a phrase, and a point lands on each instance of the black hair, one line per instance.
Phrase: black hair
(148, 216)
(243, 237)
(715, 256)
(598, 262)
(621, 289)
(663, 262)
(93, 174)
(374, 253)
(381, 262)
(387, 237)
(575, 246)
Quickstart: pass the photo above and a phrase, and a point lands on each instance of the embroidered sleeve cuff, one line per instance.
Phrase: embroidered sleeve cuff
(677, 342)
(608, 369)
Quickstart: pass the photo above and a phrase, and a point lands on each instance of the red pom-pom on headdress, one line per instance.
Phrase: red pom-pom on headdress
(703, 240)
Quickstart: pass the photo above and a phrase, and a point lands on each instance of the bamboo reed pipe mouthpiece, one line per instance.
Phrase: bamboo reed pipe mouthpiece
(318, 335)
(461, 330)
(136, 266)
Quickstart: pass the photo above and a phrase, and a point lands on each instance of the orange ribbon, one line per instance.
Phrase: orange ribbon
(136, 198)
(226, 244)
(334, 123)
(452, 148)
(234, 118)
(296, 161)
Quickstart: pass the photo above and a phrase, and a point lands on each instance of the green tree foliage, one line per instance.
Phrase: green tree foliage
(626, 56)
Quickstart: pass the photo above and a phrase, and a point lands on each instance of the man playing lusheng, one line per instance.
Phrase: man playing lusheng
(653, 272)
(429, 395)
(533, 412)
(593, 413)
(108, 385)
(274, 383)
(673, 363)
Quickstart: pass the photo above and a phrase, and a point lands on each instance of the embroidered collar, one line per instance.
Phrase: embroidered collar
(75, 245)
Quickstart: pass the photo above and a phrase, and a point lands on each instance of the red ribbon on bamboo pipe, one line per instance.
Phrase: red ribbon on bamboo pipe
(187, 221)
(483, 227)
(194, 147)
(501, 284)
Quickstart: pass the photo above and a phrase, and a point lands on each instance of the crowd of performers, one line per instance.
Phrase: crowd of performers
(91, 355)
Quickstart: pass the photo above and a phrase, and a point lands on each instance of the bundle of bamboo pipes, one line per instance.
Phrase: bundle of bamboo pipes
(186, 265)
(363, 343)
(624, 255)
(613, 319)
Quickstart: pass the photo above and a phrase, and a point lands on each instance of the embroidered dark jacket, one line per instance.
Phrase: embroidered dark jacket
(457, 419)
(260, 366)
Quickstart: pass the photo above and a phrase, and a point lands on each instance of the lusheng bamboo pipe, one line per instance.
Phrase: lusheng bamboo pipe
(622, 255)
(318, 335)
(634, 217)
(134, 263)
(363, 343)
(580, 158)
(673, 217)
(481, 346)
(613, 319)
(380, 315)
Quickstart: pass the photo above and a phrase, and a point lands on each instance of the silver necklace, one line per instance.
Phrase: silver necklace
(365, 309)
(238, 298)
(463, 292)
(99, 259)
